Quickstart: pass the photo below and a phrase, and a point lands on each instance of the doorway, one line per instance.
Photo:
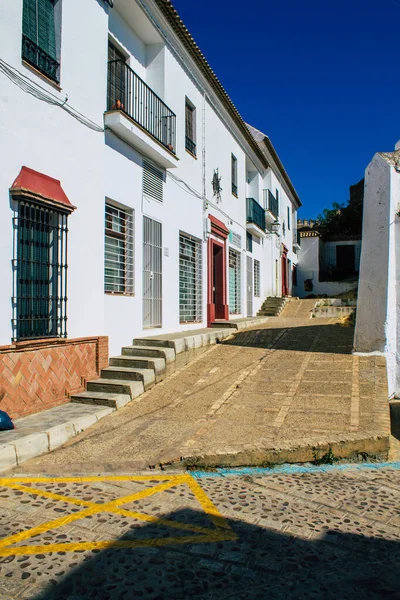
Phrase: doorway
(285, 287)
(249, 286)
(152, 273)
(217, 304)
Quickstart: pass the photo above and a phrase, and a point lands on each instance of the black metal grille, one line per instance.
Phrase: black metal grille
(40, 272)
(38, 58)
(129, 93)
(190, 145)
(255, 213)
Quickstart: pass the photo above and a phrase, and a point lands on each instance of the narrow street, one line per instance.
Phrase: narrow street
(90, 520)
(291, 383)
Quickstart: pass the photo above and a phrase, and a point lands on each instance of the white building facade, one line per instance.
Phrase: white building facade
(134, 199)
(378, 304)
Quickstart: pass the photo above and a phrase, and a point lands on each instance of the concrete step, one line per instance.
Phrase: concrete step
(223, 325)
(157, 363)
(131, 374)
(152, 342)
(102, 399)
(121, 386)
(168, 354)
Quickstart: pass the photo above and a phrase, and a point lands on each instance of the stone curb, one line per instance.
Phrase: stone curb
(46, 431)
(359, 446)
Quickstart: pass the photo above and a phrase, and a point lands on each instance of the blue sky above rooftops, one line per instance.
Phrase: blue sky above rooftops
(321, 79)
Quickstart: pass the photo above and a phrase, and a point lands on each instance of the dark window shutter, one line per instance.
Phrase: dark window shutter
(46, 30)
(29, 20)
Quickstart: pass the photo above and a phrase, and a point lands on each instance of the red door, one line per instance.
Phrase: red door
(217, 307)
(285, 289)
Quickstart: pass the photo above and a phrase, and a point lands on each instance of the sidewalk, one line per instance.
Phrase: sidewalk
(289, 390)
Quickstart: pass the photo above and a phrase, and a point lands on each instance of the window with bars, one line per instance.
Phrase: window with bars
(288, 218)
(190, 127)
(234, 283)
(40, 272)
(119, 250)
(234, 175)
(190, 279)
(40, 38)
(153, 180)
(257, 287)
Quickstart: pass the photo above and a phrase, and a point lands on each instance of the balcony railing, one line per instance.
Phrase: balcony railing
(39, 59)
(130, 94)
(190, 145)
(255, 213)
(271, 203)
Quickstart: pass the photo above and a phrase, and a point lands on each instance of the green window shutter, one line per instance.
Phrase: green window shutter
(46, 39)
(29, 20)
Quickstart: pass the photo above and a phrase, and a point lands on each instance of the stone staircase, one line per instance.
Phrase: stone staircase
(272, 306)
(145, 363)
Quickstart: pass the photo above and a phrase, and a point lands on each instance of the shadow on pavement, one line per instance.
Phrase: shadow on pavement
(259, 564)
(332, 339)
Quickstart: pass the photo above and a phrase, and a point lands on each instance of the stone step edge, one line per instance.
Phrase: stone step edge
(15, 452)
(359, 447)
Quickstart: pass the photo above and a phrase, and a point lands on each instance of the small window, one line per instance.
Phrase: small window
(288, 218)
(234, 175)
(153, 180)
(257, 289)
(40, 40)
(190, 127)
(249, 242)
(119, 251)
(40, 259)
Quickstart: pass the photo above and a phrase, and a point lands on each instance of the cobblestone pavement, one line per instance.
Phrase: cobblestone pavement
(290, 382)
(315, 534)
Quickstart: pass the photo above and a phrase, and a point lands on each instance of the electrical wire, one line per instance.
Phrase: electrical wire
(29, 86)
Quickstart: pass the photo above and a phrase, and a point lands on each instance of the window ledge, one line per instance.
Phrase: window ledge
(191, 154)
(123, 294)
(41, 75)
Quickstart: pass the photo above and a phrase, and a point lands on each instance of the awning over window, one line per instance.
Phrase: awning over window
(40, 187)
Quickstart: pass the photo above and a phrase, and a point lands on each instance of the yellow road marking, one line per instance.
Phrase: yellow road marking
(208, 535)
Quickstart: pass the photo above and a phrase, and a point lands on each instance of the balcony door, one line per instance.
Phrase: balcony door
(116, 79)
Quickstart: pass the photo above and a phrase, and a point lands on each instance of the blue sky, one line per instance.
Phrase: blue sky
(320, 78)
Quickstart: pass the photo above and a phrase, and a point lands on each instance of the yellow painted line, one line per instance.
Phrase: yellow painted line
(118, 511)
(117, 544)
(23, 535)
(221, 533)
(88, 479)
(207, 505)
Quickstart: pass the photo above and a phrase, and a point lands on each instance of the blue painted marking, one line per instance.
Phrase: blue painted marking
(293, 469)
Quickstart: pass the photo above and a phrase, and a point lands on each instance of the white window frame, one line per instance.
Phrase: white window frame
(120, 255)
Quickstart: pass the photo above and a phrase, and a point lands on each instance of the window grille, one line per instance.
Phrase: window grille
(190, 279)
(234, 283)
(234, 174)
(190, 127)
(153, 179)
(257, 289)
(40, 272)
(39, 36)
(152, 273)
(119, 251)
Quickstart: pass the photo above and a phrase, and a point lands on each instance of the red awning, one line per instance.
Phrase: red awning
(38, 186)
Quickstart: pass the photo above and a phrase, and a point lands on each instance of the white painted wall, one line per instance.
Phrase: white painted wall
(378, 306)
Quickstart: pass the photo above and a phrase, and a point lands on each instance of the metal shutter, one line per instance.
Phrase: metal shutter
(153, 179)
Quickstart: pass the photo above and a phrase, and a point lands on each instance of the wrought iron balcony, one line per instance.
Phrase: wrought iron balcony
(128, 93)
(255, 214)
(271, 203)
(39, 59)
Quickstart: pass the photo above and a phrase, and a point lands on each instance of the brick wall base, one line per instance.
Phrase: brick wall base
(41, 374)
